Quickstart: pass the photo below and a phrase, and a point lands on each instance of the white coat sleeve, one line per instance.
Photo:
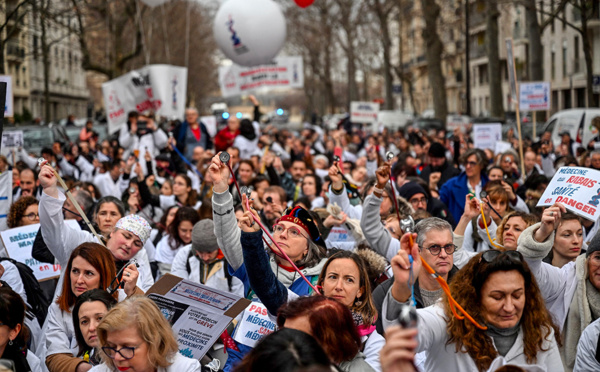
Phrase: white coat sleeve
(373, 346)
(353, 211)
(12, 277)
(27, 159)
(60, 238)
(520, 206)
(160, 139)
(58, 341)
(125, 137)
(178, 268)
(586, 349)
(145, 280)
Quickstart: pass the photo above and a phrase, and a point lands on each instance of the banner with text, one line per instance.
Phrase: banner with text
(534, 96)
(5, 198)
(284, 72)
(197, 313)
(18, 243)
(577, 188)
(160, 88)
(485, 136)
(11, 141)
(364, 112)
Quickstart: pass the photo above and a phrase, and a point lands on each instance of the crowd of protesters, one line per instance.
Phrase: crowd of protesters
(345, 238)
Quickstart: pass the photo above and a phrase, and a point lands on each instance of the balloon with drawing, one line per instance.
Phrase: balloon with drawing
(250, 32)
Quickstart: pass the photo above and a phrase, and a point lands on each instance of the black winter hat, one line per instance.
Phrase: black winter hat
(437, 150)
(408, 190)
(302, 218)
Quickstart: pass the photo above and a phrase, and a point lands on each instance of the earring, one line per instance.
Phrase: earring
(358, 303)
(10, 342)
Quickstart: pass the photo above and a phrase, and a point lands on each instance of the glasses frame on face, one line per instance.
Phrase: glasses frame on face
(295, 231)
(111, 350)
(436, 249)
(32, 216)
(471, 164)
(422, 200)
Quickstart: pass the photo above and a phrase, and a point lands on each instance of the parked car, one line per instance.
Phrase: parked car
(35, 137)
(578, 122)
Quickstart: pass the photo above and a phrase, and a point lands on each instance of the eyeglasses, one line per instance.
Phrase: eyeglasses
(126, 352)
(492, 254)
(293, 232)
(436, 249)
(32, 216)
(418, 201)
(470, 163)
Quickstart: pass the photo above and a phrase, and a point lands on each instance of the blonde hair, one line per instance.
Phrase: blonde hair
(152, 327)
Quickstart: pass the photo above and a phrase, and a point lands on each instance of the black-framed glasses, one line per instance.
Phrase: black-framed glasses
(126, 352)
(32, 216)
(436, 249)
(492, 254)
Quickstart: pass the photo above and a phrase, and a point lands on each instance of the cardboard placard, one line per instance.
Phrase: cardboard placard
(197, 313)
(18, 243)
(534, 96)
(577, 188)
(364, 112)
(485, 136)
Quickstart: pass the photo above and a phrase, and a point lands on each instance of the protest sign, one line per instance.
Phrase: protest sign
(197, 313)
(457, 122)
(284, 72)
(18, 243)
(485, 136)
(534, 96)
(12, 139)
(8, 105)
(502, 146)
(364, 112)
(577, 189)
(210, 122)
(160, 88)
(254, 324)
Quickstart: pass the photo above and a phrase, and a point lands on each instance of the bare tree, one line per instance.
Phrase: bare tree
(383, 10)
(493, 53)
(433, 54)
(13, 16)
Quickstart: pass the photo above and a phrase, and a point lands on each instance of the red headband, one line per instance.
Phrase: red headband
(295, 220)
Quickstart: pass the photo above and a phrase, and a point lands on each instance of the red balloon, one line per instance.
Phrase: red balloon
(304, 3)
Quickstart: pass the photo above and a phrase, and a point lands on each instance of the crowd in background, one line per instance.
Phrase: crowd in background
(361, 218)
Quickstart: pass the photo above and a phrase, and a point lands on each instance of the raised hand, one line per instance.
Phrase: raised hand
(383, 174)
(130, 277)
(401, 266)
(218, 173)
(549, 221)
(246, 222)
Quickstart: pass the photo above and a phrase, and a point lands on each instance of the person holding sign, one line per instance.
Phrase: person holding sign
(125, 242)
(90, 266)
(135, 336)
(572, 292)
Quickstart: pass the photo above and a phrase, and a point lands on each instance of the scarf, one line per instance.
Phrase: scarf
(584, 308)
(362, 328)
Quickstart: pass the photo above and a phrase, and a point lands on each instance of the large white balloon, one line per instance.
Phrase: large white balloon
(250, 32)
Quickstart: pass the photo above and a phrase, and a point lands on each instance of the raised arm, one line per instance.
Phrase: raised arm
(339, 196)
(226, 228)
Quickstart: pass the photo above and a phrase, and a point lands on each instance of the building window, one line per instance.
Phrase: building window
(553, 63)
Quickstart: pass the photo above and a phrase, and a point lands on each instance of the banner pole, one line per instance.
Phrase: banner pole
(534, 122)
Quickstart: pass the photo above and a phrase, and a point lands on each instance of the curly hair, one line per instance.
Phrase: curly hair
(530, 219)
(17, 210)
(536, 322)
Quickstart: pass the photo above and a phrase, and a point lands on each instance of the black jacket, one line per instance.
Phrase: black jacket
(448, 171)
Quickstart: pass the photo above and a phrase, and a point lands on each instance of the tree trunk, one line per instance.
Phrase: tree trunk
(494, 68)
(351, 69)
(45, 59)
(535, 56)
(587, 53)
(433, 55)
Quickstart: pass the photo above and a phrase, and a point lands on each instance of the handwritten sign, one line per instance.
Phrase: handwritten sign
(19, 242)
(577, 188)
(197, 313)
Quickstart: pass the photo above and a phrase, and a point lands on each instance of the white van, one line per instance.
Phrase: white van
(578, 122)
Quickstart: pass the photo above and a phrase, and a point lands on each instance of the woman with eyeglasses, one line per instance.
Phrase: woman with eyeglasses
(135, 336)
(13, 333)
(299, 236)
(23, 212)
(571, 292)
(500, 292)
(91, 266)
(88, 312)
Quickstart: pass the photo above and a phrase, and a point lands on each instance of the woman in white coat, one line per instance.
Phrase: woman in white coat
(571, 293)
(499, 291)
(90, 266)
(136, 336)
